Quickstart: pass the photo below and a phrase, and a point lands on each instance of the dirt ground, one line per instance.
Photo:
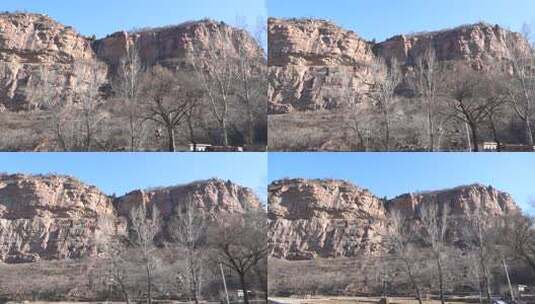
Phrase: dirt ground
(352, 300)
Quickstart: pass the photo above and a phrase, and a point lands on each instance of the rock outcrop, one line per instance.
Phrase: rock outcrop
(44, 64)
(174, 46)
(316, 65)
(480, 45)
(330, 218)
(57, 217)
(49, 217)
(327, 218)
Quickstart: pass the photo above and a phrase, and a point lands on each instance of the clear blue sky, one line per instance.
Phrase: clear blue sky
(392, 174)
(103, 17)
(123, 172)
(381, 19)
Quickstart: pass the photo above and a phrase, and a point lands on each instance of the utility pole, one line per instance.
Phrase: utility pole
(224, 282)
(508, 280)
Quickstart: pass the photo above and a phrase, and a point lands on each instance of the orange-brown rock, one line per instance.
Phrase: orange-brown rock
(44, 63)
(173, 46)
(480, 45)
(57, 217)
(330, 218)
(49, 217)
(327, 218)
(313, 64)
(316, 65)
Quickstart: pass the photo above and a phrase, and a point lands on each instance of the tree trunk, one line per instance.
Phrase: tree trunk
(440, 279)
(475, 137)
(125, 293)
(171, 138)
(250, 123)
(529, 133)
(413, 282)
(487, 280)
(194, 283)
(132, 135)
(225, 132)
(431, 127)
(469, 141)
(387, 131)
(149, 283)
(244, 288)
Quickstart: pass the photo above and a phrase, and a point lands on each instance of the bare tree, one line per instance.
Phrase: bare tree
(520, 233)
(251, 78)
(144, 228)
(523, 92)
(240, 243)
(384, 93)
(428, 80)
(128, 86)
(189, 230)
(401, 240)
(107, 240)
(474, 98)
(77, 126)
(219, 73)
(167, 99)
(434, 222)
(478, 235)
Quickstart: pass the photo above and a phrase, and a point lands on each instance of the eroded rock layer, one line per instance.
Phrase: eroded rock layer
(331, 218)
(316, 65)
(44, 64)
(58, 217)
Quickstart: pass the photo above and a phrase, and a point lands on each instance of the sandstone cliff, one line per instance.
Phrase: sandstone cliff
(174, 46)
(58, 217)
(44, 64)
(316, 65)
(480, 45)
(325, 218)
(313, 64)
(330, 218)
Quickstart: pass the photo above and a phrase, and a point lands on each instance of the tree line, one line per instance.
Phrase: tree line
(193, 258)
(460, 106)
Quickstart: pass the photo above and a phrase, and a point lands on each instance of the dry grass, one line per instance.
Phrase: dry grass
(308, 131)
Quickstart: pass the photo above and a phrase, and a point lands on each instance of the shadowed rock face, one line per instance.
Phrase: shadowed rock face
(58, 217)
(331, 218)
(316, 65)
(44, 64)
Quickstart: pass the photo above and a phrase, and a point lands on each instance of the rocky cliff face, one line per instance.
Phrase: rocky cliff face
(57, 217)
(480, 45)
(173, 46)
(314, 64)
(44, 63)
(317, 65)
(49, 217)
(329, 218)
